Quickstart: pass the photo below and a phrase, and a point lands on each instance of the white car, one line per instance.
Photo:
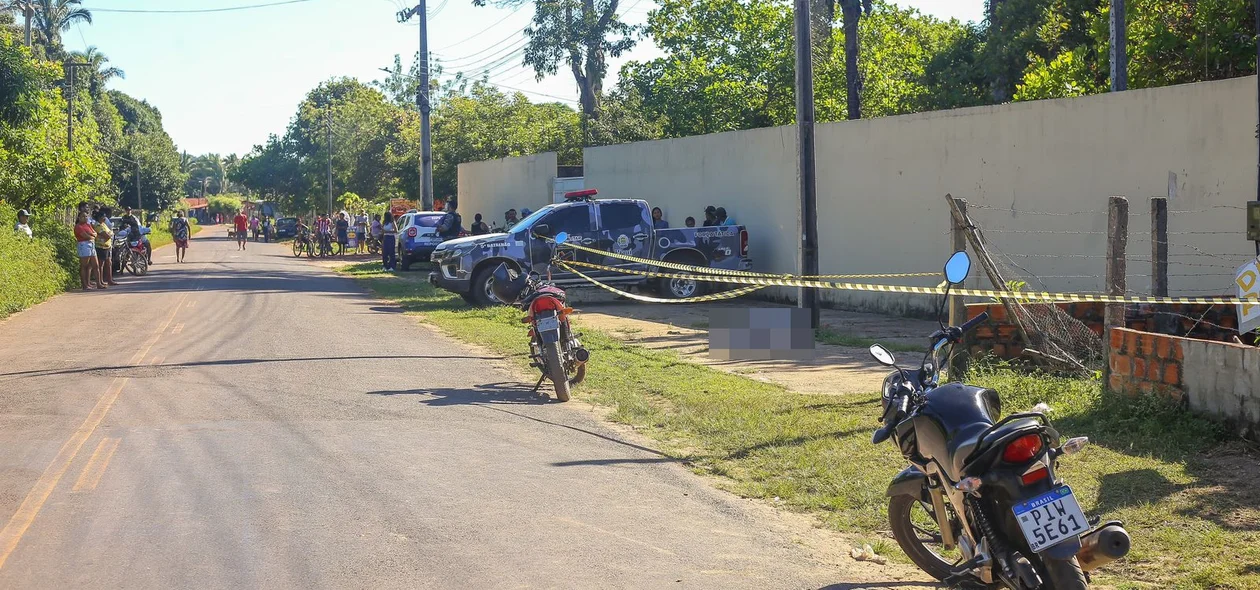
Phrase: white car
(417, 236)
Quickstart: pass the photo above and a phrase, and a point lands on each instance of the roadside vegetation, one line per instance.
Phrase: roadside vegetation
(30, 270)
(1184, 490)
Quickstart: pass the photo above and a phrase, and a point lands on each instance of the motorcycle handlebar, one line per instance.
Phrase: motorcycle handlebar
(973, 322)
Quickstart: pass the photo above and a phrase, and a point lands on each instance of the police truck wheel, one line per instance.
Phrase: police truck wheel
(404, 260)
(480, 292)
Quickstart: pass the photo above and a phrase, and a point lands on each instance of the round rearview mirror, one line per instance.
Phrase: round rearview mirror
(882, 355)
(958, 267)
(562, 237)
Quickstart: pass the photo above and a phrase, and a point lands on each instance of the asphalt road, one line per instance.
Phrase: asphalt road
(248, 420)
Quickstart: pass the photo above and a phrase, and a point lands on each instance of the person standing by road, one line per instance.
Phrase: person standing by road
(266, 232)
(323, 229)
(104, 248)
(721, 217)
(658, 219)
(343, 233)
(360, 231)
(180, 232)
(450, 225)
(389, 247)
(479, 227)
(509, 219)
(23, 225)
(710, 216)
(85, 238)
(241, 224)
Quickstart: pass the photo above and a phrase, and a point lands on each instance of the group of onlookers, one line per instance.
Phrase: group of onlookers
(713, 217)
(94, 234)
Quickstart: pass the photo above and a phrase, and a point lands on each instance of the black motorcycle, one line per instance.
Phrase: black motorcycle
(981, 506)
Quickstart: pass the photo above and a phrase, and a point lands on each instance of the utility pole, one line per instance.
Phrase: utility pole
(1119, 47)
(807, 298)
(70, 105)
(139, 201)
(28, 10)
(330, 149)
(422, 101)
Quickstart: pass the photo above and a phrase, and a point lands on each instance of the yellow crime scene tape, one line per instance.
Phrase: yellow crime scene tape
(788, 281)
(644, 298)
(736, 273)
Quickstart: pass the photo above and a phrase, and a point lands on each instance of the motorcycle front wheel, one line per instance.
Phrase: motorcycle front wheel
(139, 266)
(914, 525)
(555, 370)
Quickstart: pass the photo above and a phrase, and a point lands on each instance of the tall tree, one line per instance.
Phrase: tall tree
(581, 34)
(54, 16)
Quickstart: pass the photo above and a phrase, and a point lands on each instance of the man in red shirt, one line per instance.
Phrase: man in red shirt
(242, 228)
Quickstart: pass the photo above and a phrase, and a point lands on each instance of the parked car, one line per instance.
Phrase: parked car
(466, 265)
(417, 236)
(286, 227)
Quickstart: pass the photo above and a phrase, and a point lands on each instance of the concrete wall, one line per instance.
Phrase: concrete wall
(1218, 379)
(1036, 175)
(494, 186)
(750, 173)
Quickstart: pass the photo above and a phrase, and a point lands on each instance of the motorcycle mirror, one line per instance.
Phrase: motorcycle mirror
(562, 237)
(958, 267)
(882, 355)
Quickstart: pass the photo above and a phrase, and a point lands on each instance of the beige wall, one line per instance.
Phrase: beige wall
(494, 186)
(750, 173)
(1037, 176)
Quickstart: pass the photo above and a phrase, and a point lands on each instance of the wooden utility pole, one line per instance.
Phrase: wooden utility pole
(957, 308)
(1117, 243)
(806, 298)
(1119, 47)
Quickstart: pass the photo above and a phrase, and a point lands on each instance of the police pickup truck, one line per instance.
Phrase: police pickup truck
(622, 226)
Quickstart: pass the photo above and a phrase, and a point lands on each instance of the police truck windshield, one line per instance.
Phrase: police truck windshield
(528, 222)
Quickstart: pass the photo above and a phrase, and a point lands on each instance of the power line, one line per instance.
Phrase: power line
(197, 10)
(472, 57)
(479, 33)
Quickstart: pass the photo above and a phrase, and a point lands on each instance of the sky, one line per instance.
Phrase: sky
(225, 81)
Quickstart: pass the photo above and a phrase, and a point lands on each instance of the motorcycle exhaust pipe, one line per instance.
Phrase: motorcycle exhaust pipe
(582, 355)
(1103, 546)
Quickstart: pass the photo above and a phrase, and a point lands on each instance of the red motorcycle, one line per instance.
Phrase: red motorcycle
(554, 348)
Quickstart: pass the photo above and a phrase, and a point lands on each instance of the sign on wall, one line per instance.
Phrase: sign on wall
(1248, 280)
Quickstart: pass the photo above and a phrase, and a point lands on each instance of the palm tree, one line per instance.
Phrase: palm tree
(54, 16)
(100, 74)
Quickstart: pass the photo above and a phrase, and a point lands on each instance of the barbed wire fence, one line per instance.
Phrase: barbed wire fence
(1192, 255)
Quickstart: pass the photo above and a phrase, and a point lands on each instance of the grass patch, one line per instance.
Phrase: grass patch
(1194, 519)
(834, 338)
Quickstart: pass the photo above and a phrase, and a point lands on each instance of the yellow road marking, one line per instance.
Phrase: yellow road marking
(96, 465)
(177, 329)
(157, 360)
(12, 533)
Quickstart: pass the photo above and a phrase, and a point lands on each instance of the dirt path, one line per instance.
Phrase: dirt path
(684, 329)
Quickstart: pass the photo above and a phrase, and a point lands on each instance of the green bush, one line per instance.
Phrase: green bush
(31, 270)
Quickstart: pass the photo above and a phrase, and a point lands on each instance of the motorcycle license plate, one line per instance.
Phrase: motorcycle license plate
(1051, 518)
(547, 323)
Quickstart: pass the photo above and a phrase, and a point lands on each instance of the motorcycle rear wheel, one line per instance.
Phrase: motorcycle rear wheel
(915, 539)
(555, 370)
(1064, 574)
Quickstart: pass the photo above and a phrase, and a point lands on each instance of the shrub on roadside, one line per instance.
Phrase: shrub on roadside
(31, 270)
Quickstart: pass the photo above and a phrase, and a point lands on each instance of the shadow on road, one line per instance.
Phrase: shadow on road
(231, 362)
(491, 393)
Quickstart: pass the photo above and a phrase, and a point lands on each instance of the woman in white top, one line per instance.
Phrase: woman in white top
(389, 249)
